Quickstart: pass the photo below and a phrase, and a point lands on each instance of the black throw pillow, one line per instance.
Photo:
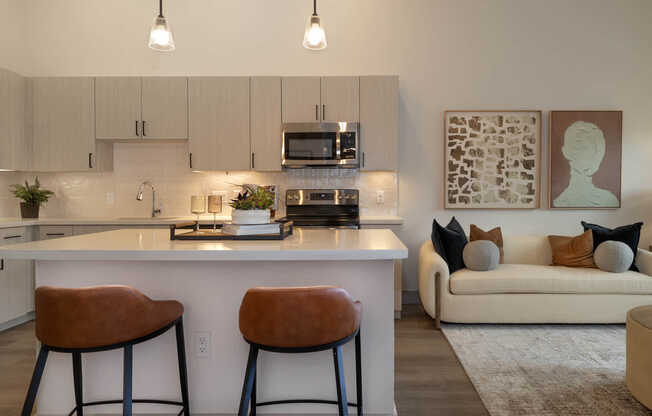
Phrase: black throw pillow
(628, 234)
(449, 243)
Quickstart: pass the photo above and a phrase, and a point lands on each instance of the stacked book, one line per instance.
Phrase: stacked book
(251, 229)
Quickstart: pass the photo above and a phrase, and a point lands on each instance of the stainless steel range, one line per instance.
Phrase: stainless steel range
(323, 208)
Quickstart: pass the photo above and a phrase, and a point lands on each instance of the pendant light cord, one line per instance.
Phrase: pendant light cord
(160, 8)
(314, 8)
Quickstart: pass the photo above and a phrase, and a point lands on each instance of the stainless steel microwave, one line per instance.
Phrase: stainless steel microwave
(321, 145)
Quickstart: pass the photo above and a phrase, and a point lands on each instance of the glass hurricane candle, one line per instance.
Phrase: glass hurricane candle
(214, 207)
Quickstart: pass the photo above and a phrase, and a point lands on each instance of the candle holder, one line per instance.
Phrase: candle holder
(214, 207)
(198, 205)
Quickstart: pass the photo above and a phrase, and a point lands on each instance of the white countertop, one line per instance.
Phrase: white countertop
(18, 222)
(153, 244)
(381, 220)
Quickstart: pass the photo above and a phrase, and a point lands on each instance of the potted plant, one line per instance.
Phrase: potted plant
(33, 197)
(252, 205)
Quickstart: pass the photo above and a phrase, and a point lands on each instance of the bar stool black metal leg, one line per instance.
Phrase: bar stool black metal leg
(358, 372)
(77, 376)
(127, 392)
(252, 409)
(342, 402)
(36, 380)
(183, 370)
(247, 386)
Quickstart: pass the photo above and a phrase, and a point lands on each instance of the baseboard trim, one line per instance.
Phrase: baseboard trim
(17, 321)
(410, 297)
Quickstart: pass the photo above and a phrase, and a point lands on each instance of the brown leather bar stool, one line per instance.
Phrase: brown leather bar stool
(103, 318)
(298, 320)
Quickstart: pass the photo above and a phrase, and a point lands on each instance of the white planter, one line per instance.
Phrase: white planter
(250, 216)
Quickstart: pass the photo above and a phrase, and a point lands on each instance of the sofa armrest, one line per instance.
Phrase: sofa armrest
(644, 261)
(433, 275)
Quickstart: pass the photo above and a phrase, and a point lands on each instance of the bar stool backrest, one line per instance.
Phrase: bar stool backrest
(297, 317)
(98, 316)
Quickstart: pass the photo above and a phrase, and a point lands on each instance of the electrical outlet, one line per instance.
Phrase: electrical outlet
(110, 198)
(380, 197)
(202, 344)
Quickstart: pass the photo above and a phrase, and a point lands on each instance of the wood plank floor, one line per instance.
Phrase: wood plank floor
(429, 379)
(17, 356)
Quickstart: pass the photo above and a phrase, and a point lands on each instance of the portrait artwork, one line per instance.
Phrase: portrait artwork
(585, 159)
(492, 159)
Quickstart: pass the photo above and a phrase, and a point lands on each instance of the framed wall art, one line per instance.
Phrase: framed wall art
(585, 159)
(492, 159)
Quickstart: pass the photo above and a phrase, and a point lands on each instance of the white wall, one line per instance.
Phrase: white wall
(453, 54)
(13, 35)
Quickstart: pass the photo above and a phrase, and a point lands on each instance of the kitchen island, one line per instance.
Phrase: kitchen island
(210, 278)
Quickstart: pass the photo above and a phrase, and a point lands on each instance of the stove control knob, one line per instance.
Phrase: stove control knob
(340, 197)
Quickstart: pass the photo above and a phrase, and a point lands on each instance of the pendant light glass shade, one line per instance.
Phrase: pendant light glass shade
(160, 37)
(314, 37)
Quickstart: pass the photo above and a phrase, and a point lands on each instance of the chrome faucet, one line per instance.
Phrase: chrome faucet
(139, 197)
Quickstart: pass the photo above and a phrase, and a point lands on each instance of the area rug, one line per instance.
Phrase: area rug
(546, 370)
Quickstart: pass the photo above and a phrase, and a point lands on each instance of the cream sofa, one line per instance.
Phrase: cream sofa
(527, 289)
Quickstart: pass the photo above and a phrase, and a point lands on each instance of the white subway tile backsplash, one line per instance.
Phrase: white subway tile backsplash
(166, 166)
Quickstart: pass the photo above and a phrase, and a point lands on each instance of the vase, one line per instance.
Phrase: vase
(250, 216)
(28, 210)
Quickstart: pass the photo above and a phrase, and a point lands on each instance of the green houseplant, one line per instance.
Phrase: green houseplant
(252, 206)
(33, 197)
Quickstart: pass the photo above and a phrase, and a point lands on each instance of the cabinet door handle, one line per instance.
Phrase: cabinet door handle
(190, 160)
(137, 134)
(253, 160)
(54, 234)
(317, 112)
(9, 237)
(2, 264)
(144, 129)
(90, 161)
(363, 159)
(323, 112)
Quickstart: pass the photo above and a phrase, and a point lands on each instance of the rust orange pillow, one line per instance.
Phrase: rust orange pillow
(572, 251)
(494, 235)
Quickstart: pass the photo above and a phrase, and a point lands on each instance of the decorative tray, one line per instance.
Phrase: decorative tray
(206, 232)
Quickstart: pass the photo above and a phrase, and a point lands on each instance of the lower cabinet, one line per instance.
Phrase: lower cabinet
(16, 278)
(49, 232)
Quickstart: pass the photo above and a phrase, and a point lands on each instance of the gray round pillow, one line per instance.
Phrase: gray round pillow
(613, 256)
(481, 255)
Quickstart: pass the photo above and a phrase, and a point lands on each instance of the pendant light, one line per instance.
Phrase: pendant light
(315, 36)
(160, 37)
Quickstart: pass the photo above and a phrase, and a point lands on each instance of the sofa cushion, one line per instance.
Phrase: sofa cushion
(572, 251)
(494, 235)
(531, 278)
(613, 256)
(481, 255)
(449, 243)
(628, 234)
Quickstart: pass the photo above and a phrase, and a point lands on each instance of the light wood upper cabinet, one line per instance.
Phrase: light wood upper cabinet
(141, 108)
(266, 123)
(117, 107)
(15, 143)
(164, 108)
(379, 122)
(63, 124)
(219, 123)
(340, 99)
(301, 99)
